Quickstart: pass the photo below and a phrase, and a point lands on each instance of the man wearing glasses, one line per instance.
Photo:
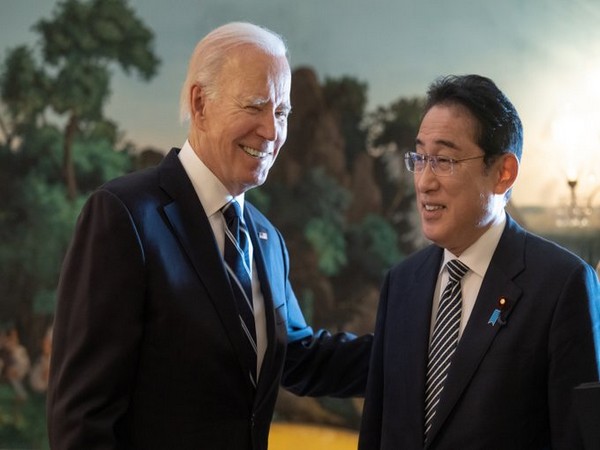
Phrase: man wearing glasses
(482, 336)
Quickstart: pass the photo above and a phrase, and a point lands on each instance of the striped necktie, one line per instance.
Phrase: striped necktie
(238, 264)
(445, 339)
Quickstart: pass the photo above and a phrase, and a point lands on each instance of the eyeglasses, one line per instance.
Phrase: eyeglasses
(440, 165)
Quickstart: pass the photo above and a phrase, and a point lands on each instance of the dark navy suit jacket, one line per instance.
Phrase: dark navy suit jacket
(148, 351)
(510, 382)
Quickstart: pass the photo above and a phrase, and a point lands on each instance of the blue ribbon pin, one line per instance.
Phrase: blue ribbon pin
(494, 317)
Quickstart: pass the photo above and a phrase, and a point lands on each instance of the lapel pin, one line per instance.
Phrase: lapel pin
(502, 303)
(497, 313)
(494, 317)
(263, 235)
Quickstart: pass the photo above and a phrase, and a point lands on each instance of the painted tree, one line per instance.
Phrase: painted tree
(80, 45)
(347, 98)
(23, 90)
(392, 131)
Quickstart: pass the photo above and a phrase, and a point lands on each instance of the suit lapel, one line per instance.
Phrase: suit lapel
(481, 329)
(414, 325)
(261, 240)
(191, 227)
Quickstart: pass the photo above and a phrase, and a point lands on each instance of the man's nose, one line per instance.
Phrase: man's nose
(268, 126)
(426, 179)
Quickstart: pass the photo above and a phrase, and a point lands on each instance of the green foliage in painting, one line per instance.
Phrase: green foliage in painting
(373, 246)
(322, 196)
(325, 237)
(259, 198)
(397, 123)
(23, 89)
(71, 79)
(22, 422)
(315, 208)
(98, 31)
(306, 299)
(97, 161)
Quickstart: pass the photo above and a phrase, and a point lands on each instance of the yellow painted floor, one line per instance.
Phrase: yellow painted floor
(292, 436)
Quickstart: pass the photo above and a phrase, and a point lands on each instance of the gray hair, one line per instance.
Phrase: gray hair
(213, 50)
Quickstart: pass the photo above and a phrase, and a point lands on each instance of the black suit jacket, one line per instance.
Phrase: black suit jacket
(510, 383)
(148, 352)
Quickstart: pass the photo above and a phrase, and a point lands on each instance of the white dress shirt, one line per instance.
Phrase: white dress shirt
(477, 257)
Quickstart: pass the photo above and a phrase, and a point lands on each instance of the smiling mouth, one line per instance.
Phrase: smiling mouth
(254, 152)
(428, 207)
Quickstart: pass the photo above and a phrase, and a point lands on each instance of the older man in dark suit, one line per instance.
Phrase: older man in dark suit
(176, 320)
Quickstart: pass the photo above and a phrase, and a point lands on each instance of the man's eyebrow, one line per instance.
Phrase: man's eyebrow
(261, 101)
(439, 142)
(257, 101)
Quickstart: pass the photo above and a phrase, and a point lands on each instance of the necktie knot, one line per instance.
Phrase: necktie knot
(231, 211)
(456, 270)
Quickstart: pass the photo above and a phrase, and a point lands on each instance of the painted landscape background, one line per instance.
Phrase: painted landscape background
(89, 90)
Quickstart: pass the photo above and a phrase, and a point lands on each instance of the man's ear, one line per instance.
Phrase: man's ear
(197, 105)
(508, 170)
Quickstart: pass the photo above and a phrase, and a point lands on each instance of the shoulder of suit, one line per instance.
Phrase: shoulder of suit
(135, 181)
(539, 252)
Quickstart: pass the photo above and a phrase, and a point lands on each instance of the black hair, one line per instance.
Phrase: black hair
(499, 127)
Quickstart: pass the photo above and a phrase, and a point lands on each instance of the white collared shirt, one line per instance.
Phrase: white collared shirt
(477, 257)
(213, 196)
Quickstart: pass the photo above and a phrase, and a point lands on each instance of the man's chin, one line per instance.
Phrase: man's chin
(431, 234)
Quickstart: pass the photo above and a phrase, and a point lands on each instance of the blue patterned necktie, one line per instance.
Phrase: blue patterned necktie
(445, 339)
(238, 264)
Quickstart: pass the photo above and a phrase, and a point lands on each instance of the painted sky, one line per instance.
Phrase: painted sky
(544, 54)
